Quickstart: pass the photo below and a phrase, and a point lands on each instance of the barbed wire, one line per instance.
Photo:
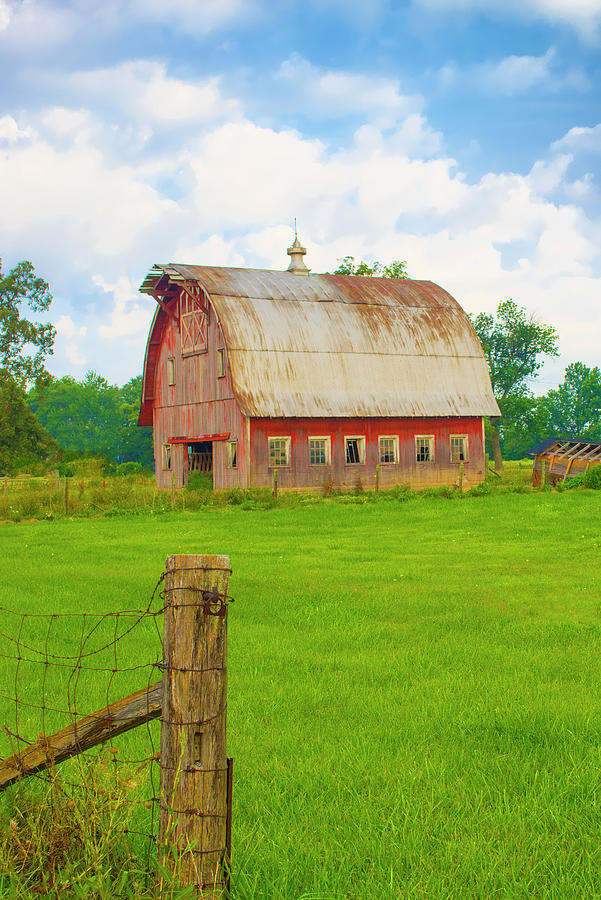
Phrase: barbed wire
(71, 676)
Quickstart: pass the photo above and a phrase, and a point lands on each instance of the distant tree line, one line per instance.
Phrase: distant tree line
(94, 417)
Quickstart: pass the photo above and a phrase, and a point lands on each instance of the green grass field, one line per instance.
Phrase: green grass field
(414, 704)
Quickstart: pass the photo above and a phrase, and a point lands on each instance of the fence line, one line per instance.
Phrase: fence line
(57, 663)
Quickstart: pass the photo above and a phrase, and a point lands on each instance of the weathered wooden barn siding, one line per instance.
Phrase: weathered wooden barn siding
(300, 474)
(315, 355)
(199, 404)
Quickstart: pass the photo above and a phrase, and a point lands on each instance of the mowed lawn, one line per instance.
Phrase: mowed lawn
(414, 688)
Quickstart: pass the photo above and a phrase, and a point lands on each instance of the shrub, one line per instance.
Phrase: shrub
(130, 468)
(592, 478)
(571, 483)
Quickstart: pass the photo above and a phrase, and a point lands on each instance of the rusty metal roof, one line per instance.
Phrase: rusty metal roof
(340, 345)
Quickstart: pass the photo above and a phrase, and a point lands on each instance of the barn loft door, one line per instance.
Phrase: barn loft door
(193, 322)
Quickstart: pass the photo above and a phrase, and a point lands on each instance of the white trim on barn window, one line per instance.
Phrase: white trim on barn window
(171, 371)
(459, 448)
(320, 453)
(354, 450)
(166, 456)
(232, 454)
(424, 448)
(278, 452)
(388, 449)
(220, 362)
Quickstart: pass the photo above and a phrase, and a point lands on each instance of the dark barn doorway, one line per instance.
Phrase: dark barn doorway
(200, 457)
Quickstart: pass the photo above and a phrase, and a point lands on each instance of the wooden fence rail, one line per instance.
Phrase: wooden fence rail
(95, 728)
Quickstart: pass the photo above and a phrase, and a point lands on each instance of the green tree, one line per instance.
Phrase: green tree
(135, 443)
(575, 407)
(81, 415)
(526, 422)
(24, 347)
(514, 344)
(22, 439)
(94, 417)
(24, 344)
(348, 266)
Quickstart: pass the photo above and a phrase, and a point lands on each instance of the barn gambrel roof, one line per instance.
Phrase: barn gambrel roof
(334, 345)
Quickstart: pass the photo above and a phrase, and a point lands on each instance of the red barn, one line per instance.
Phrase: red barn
(323, 377)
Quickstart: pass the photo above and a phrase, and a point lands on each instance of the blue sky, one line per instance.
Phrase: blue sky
(461, 135)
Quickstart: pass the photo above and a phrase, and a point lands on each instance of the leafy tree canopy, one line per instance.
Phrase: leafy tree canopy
(514, 344)
(575, 407)
(348, 266)
(94, 417)
(22, 439)
(24, 344)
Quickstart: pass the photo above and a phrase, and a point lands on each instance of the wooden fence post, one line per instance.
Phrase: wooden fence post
(275, 484)
(377, 478)
(461, 477)
(194, 773)
(66, 495)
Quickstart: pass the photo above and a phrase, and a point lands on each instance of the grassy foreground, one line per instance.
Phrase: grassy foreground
(414, 705)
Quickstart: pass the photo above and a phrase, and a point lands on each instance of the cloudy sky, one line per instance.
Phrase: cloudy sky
(461, 135)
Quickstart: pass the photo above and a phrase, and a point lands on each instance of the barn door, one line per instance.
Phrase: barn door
(200, 457)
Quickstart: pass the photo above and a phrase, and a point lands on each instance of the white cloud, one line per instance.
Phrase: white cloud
(62, 121)
(546, 176)
(129, 315)
(189, 15)
(341, 93)
(143, 90)
(10, 132)
(30, 24)
(97, 207)
(74, 355)
(45, 24)
(215, 251)
(582, 15)
(580, 139)
(67, 328)
(5, 15)
(515, 74)
(69, 337)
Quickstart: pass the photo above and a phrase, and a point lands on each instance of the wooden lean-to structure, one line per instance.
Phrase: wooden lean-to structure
(564, 459)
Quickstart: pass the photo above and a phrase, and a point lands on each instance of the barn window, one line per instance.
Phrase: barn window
(319, 451)
(220, 363)
(171, 371)
(166, 456)
(388, 449)
(424, 448)
(354, 451)
(232, 454)
(459, 448)
(279, 452)
(193, 323)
